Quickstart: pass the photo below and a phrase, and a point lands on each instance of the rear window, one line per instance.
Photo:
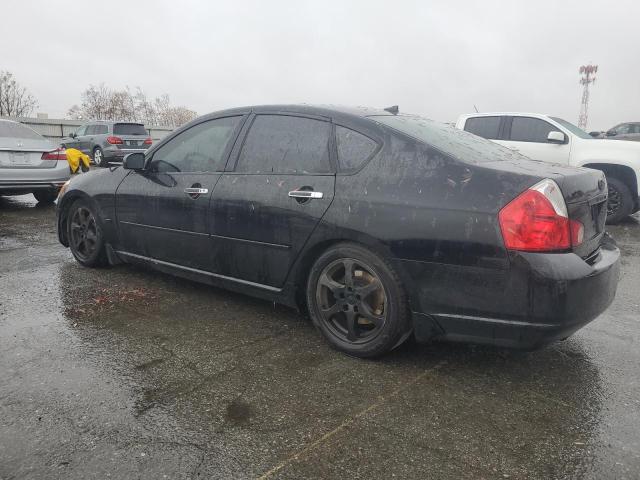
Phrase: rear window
(353, 148)
(129, 129)
(485, 127)
(449, 140)
(17, 130)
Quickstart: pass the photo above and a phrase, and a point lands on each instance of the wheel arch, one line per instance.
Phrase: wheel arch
(300, 273)
(622, 172)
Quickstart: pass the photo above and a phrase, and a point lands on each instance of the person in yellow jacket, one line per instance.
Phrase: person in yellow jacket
(77, 160)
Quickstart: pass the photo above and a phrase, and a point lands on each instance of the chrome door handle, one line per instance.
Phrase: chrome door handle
(196, 191)
(305, 194)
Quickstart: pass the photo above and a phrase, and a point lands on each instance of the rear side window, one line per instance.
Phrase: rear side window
(285, 144)
(129, 129)
(17, 130)
(353, 148)
(526, 129)
(485, 127)
(199, 149)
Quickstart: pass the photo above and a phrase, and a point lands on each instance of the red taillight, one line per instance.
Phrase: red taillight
(115, 140)
(537, 221)
(148, 141)
(57, 154)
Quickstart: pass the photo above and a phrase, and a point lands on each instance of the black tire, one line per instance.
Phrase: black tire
(85, 235)
(98, 157)
(368, 318)
(46, 196)
(620, 204)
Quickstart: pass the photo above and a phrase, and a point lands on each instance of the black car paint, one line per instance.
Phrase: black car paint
(433, 216)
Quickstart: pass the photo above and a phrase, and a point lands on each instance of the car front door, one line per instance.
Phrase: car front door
(162, 211)
(265, 209)
(528, 136)
(76, 140)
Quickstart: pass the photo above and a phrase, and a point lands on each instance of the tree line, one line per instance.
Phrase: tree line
(99, 102)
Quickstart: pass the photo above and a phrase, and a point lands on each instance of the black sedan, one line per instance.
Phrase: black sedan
(380, 225)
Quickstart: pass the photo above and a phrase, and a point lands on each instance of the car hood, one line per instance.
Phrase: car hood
(609, 149)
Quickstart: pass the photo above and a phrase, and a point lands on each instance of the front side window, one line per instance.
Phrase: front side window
(527, 129)
(81, 130)
(201, 148)
(91, 129)
(635, 128)
(286, 144)
(101, 130)
(353, 148)
(622, 129)
(485, 127)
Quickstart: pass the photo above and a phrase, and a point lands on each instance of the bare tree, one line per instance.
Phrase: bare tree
(15, 101)
(101, 103)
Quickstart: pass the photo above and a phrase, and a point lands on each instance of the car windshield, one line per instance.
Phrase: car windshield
(462, 145)
(578, 132)
(17, 130)
(129, 129)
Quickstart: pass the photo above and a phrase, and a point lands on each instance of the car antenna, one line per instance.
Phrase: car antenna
(393, 110)
(476, 109)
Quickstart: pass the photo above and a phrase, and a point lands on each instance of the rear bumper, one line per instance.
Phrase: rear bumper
(114, 153)
(30, 180)
(539, 299)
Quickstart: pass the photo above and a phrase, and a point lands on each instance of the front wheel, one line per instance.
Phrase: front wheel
(86, 239)
(356, 300)
(620, 201)
(98, 157)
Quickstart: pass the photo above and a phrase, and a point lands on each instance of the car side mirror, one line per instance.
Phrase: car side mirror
(556, 137)
(595, 134)
(133, 161)
(73, 135)
(611, 133)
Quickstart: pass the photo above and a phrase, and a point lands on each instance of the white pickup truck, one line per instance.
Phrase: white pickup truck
(552, 139)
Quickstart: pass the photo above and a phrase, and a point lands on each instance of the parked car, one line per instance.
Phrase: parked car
(624, 131)
(107, 142)
(379, 225)
(552, 139)
(29, 163)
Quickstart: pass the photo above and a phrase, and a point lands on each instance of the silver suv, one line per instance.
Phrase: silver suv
(107, 142)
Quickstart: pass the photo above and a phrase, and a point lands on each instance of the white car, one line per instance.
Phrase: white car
(552, 139)
(29, 163)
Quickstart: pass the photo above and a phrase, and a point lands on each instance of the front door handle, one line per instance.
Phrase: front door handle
(305, 194)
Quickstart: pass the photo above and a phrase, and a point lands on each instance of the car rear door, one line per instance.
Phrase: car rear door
(264, 210)
(162, 211)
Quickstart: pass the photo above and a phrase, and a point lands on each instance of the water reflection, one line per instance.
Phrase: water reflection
(241, 372)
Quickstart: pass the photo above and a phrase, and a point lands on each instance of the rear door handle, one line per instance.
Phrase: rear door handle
(305, 194)
(196, 191)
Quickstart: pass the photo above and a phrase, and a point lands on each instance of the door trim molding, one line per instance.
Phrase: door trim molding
(152, 261)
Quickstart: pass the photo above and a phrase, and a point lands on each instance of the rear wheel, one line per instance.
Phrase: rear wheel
(46, 196)
(356, 300)
(620, 202)
(86, 239)
(98, 157)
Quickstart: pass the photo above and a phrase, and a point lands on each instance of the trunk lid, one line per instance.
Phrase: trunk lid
(585, 193)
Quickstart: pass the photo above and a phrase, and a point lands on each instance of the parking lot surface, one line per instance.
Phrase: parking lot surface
(126, 373)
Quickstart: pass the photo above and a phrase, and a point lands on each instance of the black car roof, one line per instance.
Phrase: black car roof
(319, 110)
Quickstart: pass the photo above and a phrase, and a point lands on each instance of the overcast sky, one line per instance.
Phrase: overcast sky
(434, 58)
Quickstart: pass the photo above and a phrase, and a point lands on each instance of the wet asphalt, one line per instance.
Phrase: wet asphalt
(126, 373)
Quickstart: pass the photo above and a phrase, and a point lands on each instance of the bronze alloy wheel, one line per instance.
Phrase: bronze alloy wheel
(351, 300)
(84, 233)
